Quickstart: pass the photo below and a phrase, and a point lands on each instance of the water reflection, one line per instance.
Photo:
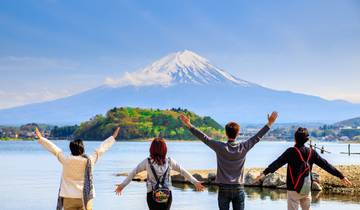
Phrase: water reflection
(256, 193)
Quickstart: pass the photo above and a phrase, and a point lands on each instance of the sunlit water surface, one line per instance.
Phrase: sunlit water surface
(29, 177)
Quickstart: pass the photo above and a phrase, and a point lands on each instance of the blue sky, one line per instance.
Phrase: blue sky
(53, 48)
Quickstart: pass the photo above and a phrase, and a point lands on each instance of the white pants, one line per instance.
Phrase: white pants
(295, 199)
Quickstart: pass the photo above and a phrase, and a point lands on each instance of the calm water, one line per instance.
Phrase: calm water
(29, 177)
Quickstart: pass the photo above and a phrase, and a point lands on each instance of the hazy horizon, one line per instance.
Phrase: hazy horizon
(52, 49)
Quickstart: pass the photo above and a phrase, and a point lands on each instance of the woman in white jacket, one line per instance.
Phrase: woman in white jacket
(76, 189)
(158, 183)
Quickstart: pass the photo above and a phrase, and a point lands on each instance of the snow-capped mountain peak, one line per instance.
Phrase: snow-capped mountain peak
(184, 67)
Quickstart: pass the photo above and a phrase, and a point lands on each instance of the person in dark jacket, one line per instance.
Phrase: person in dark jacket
(300, 160)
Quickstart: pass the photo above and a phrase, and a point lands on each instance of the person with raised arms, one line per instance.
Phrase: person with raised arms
(158, 183)
(230, 160)
(76, 188)
(299, 160)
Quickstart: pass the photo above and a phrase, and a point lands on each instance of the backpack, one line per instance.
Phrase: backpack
(305, 175)
(160, 193)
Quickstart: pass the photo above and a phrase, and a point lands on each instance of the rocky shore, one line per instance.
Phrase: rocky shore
(322, 181)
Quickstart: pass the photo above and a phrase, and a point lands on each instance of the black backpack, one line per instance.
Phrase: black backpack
(302, 183)
(160, 193)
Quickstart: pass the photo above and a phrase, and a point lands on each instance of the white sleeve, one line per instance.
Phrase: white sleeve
(51, 147)
(105, 145)
(139, 168)
(175, 166)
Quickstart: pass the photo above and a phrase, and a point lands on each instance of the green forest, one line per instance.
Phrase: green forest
(137, 123)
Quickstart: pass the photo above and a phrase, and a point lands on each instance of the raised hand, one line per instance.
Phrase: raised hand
(38, 135)
(346, 181)
(199, 187)
(116, 132)
(259, 178)
(118, 189)
(272, 118)
(185, 120)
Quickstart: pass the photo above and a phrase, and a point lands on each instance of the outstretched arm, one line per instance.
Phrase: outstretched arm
(278, 163)
(199, 134)
(274, 166)
(105, 145)
(139, 168)
(322, 163)
(248, 144)
(175, 166)
(48, 145)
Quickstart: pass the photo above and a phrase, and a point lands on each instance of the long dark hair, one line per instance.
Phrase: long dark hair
(301, 136)
(158, 150)
(77, 147)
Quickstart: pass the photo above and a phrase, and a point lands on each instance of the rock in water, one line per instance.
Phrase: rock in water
(199, 177)
(178, 178)
(315, 182)
(315, 177)
(274, 180)
(211, 177)
(250, 178)
(316, 186)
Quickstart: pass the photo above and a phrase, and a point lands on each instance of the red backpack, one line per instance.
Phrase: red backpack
(302, 183)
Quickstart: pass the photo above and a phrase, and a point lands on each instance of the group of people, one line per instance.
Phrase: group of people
(77, 191)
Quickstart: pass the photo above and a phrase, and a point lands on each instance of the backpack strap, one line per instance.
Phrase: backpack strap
(302, 158)
(165, 174)
(153, 171)
(163, 177)
(298, 180)
(298, 151)
(306, 169)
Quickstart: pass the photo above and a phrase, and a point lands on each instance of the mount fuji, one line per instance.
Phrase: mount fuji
(185, 79)
(183, 67)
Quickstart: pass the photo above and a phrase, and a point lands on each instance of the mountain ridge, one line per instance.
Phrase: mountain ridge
(217, 96)
(353, 122)
(183, 67)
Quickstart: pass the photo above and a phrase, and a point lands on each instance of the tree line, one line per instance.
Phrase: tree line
(138, 123)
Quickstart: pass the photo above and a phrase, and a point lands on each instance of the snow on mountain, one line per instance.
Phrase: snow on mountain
(184, 67)
(184, 79)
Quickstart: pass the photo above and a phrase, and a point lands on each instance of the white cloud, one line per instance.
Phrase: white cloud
(11, 63)
(140, 78)
(12, 99)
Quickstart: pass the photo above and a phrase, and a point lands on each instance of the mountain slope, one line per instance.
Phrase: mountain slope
(183, 67)
(353, 122)
(186, 80)
(188, 67)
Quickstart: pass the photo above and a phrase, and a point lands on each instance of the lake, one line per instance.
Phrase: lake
(30, 176)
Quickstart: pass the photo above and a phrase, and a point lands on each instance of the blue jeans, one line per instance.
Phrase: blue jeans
(234, 195)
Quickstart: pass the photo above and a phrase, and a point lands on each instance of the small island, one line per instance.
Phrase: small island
(135, 123)
(140, 124)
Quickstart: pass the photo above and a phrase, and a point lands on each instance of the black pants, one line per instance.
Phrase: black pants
(153, 205)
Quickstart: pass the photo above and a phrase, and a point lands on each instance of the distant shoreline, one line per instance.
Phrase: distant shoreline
(16, 139)
(169, 140)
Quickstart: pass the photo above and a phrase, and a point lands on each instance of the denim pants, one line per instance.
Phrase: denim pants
(231, 194)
